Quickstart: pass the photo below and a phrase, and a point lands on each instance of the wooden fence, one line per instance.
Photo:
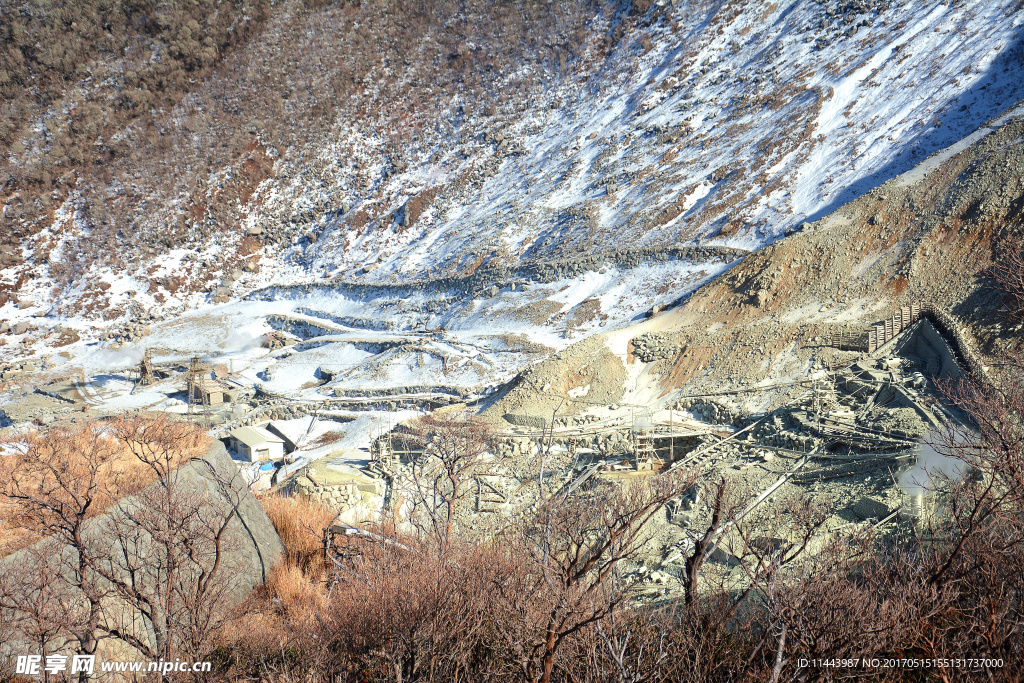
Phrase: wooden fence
(885, 331)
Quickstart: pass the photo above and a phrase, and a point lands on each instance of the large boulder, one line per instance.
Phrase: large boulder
(252, 547)
(526, 420)
(871, 508)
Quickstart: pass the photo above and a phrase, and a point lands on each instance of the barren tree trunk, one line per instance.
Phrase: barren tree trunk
(777, 669)
(87, 639)
(548, 662)
(696, 559)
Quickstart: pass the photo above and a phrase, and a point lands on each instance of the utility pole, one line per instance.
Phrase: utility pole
(671, 438)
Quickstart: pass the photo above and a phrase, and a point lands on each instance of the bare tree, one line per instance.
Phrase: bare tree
(454, 447)
(64, 478)
(769, 548)
(169, 544)
(974, 532)
(572, 580)
(34, 600)
(723, 505)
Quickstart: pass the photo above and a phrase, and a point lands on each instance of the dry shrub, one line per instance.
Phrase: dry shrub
(85, 461)
(403, 607)
(396, 607)
(399, 611)
(299, 522)
(327, 438)
(300, 592)
(258, 630)
(284, 630)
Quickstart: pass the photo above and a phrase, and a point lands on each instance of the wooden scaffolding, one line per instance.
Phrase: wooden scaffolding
(643, 448)
(198, 392)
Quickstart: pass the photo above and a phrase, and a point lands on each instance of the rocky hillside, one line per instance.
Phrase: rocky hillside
(198, 159)
(926, 237)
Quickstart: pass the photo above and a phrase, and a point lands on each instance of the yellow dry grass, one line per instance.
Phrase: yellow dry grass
(299, 523)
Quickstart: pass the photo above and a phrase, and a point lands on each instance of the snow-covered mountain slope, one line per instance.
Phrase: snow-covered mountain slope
(709, 123)
(367, 339)
(925, 238)
(725, 125)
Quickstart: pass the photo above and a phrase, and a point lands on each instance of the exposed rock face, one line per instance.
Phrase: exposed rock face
(415, 206)
(535, 421)
(252, 544)
(260, 547)
(502, 274)
(588, 369)
(708, 411)
(925, 237)
(653, 346)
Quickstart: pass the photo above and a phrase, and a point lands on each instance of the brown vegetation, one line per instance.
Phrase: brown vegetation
(547, 598)
(149, 102)
(300, 523)
(401, 607)
(118, 539)
(73, 472)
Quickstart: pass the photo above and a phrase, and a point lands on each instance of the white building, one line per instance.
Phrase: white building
(256, 443)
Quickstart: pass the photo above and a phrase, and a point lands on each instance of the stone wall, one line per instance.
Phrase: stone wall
(353, 492)
(500, 275)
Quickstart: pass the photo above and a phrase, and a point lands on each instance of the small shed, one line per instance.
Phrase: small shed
(210, 392)
(256, 443)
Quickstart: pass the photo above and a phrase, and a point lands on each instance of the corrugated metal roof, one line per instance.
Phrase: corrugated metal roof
(254, 436)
